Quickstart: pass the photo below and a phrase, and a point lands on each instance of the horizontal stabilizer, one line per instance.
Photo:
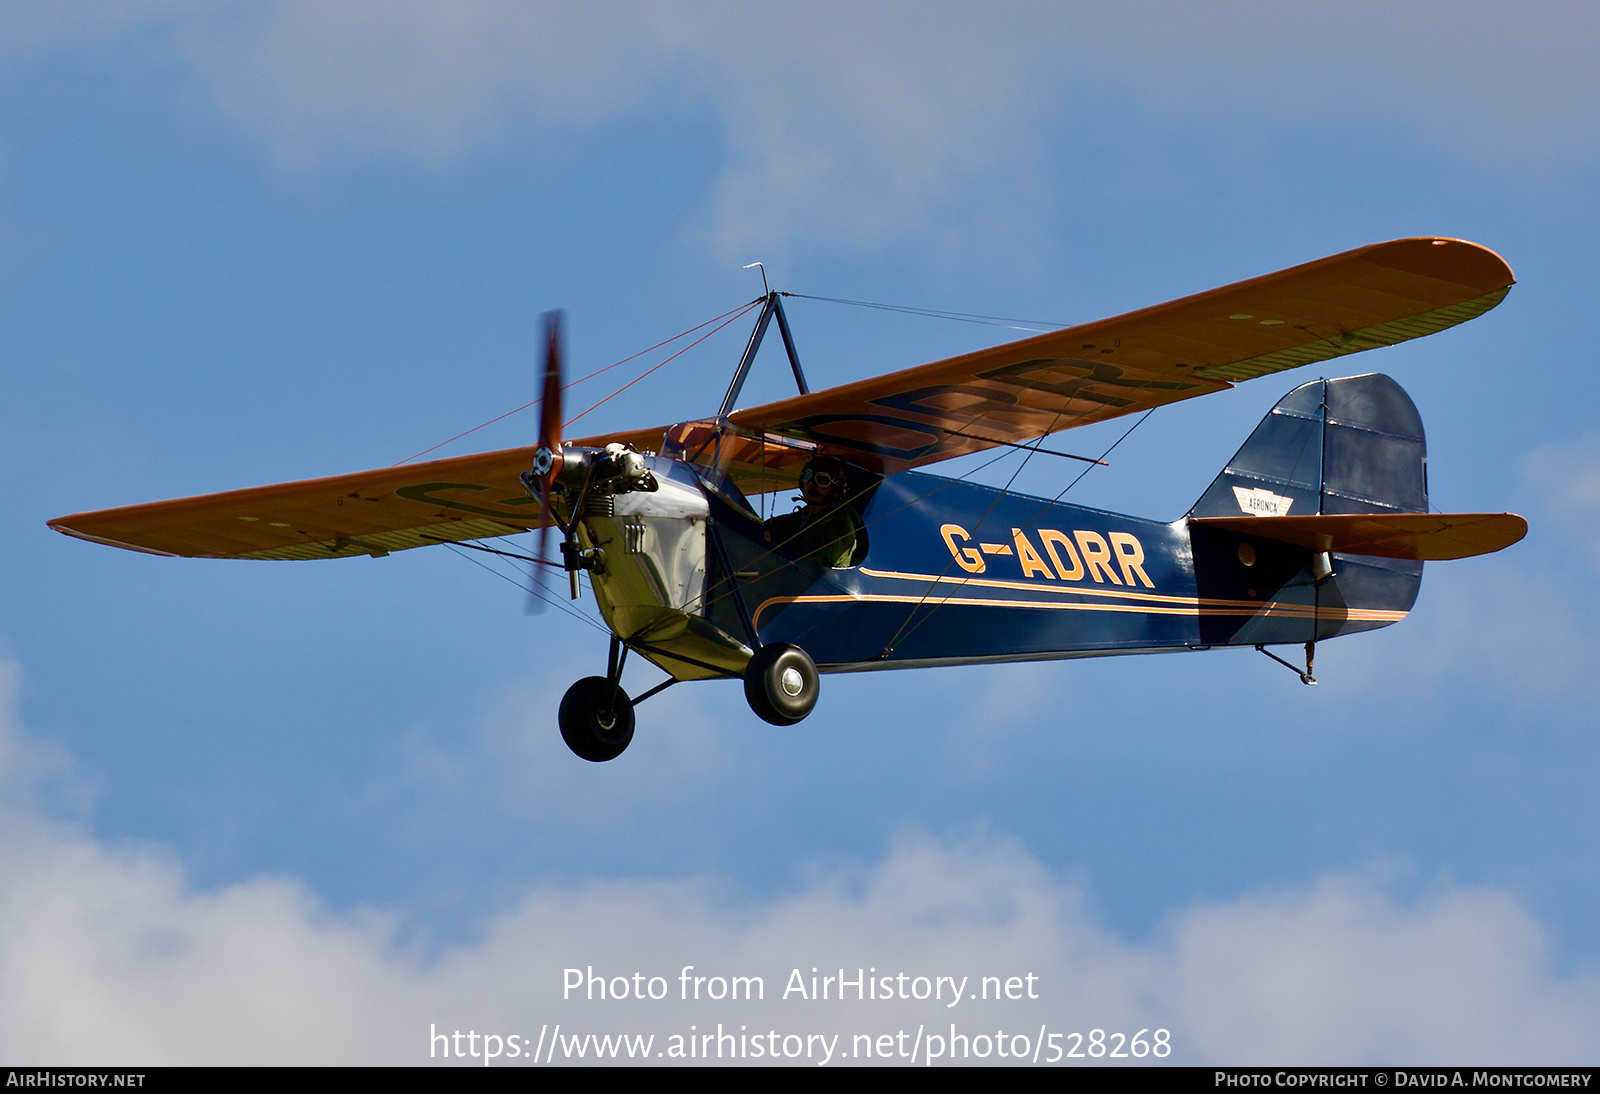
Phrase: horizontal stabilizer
(1423, 537)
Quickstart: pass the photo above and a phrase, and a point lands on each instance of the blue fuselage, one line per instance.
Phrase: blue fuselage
(956, 573)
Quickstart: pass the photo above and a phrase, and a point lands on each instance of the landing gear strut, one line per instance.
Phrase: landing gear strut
(596, 715)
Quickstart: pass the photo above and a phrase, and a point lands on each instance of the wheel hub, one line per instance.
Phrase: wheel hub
(791, 681)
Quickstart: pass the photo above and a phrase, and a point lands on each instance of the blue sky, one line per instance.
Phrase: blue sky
(245, 244)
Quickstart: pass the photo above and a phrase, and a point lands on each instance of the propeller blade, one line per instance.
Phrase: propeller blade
(546, 463)
(538, 584)
(550, 404)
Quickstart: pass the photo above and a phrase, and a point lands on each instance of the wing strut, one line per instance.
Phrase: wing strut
(773, 306)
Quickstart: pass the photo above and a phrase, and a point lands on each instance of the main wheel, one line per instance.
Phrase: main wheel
(781, 684)
(596, 719)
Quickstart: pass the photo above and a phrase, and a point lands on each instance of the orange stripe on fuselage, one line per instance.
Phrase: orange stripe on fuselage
(1190, 606)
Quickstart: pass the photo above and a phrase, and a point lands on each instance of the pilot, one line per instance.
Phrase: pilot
(826, 528)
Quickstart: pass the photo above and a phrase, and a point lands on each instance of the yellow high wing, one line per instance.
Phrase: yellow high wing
(1362, 299)
(368, 513)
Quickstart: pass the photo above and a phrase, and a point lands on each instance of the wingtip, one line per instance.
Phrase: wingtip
(60, 524)
(1446, 257)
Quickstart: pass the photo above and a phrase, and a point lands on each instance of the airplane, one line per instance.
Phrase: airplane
(1318, 527)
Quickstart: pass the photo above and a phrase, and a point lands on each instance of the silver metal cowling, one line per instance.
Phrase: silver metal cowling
(653, 586)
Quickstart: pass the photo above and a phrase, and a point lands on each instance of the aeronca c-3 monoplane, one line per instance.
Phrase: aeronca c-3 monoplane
(1318, 527)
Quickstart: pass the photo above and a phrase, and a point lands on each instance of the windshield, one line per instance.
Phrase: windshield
(734, 463)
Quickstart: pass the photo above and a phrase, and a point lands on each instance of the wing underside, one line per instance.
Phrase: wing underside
(367, 513)
(1010, 394)
(1362, 299)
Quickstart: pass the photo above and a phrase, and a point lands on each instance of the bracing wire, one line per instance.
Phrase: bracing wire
(1040, 326)
(719, 323)
(733, 313)
(533, 589)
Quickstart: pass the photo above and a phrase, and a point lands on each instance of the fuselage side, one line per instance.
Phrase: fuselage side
(960, 573)
(957, 573)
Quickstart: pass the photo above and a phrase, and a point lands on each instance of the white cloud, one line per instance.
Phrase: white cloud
(516, 765)
(840, 117)
(856, 121)
(1344, 973)
(318, 80)
(108, 955)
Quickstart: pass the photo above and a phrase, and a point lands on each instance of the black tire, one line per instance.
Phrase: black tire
(781, 684)
(596, 719)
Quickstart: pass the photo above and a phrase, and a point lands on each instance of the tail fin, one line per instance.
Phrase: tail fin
(1353, 445)
(1345, 446)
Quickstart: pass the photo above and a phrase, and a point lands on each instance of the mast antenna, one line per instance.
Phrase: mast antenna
(765, 291)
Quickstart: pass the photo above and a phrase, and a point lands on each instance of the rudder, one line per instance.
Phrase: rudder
(1350, 445)
(1341, 446)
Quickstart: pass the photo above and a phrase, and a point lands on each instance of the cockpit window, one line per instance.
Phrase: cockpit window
(723, 487)
(732, 462)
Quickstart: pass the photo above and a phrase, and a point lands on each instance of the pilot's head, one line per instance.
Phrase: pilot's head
(822, 482)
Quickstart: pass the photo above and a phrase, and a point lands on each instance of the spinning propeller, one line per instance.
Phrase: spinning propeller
(547, 457)
(584, 474)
